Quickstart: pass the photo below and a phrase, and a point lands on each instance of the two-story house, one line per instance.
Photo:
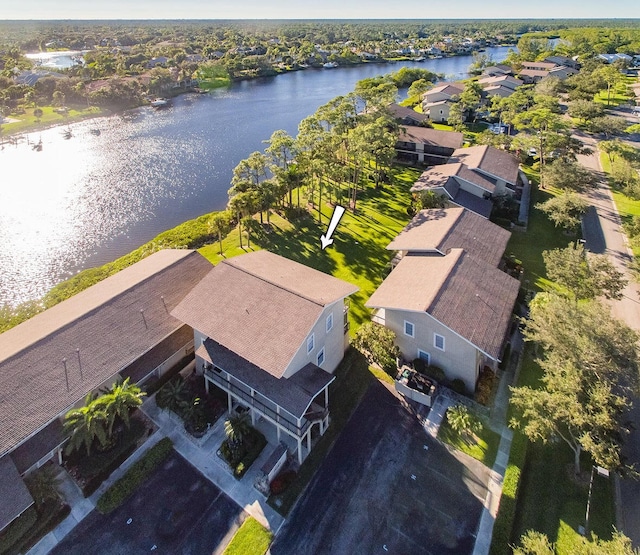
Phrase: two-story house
(437, 101)
(270, 332)
(423, 145)
(446, 300)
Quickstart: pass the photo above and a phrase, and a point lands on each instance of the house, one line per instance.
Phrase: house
(118, 328)
(497, 90)
(611, 58)
(562, 72)
(437, 230)
(472, 177)
(451, 311)
(446, 91)
(563, 61)
(498, 69)
(539, 66)
(157, 61)
(30, 78)
(531, 76)
(507, 81)
(438, 111)
(423, 145)
(407, 116)
(270, 332)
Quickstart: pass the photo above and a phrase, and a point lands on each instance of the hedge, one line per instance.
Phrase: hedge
(138, 473)
(503, 526)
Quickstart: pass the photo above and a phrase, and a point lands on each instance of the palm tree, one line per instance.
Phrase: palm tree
(119, 401)
(43, 485)
(219, 224)
(236, 428)
(172, 394)
(84, 425)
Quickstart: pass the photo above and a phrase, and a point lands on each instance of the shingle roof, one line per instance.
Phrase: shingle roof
(477, 205)
(534, 73)
(505, 80)
(440, 176)
(261, 306)
(293, 394)
(428, 136)
(14, 494)
(441, 229)
(467, 295)
(491, 160)
(105, 323)
(447, 88)
(543, 65)
(404, 112)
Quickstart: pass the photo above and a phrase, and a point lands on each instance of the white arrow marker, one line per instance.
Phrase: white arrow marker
(326, 240)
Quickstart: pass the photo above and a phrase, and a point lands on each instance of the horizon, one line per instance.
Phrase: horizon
(289, 10)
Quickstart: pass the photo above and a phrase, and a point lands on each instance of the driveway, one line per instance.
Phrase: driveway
(176, 511)
(386, 487)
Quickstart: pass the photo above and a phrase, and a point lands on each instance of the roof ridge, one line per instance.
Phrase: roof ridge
(456, 255)
(265, 280)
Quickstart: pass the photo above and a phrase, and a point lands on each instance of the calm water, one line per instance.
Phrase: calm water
(57, 60)
(86, 200)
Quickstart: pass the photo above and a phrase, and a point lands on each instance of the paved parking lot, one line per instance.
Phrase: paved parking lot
(177, 510)
(386, 487)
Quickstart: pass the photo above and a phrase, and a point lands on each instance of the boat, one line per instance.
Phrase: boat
(66, 135)
(37, 146)
(330, 65)
(95, 132)
(419, 59)
(159, 103)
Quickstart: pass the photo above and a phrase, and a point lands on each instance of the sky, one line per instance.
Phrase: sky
(325, 9)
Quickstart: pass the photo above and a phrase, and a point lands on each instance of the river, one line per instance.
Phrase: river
(89, 198)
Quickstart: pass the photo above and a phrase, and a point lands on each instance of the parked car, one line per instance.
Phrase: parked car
(498, 128)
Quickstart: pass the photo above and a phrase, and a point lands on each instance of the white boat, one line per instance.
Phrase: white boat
(159, 103)
(330, 65)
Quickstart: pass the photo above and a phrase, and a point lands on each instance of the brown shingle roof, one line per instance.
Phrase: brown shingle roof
(505, 80)
(441, 229)
(404, 112)
(467, 295)
(105, 323)
(261, 306)
(14, 494)
(440, 176)
(447, 88)
(433, 137)
(488, 159)
(536, 65)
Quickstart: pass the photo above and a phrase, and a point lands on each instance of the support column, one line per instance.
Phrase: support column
(309, 439)
(278, 421)
(206, 384)
(60, 461)
(299, 450)
(253, 412)
(230, 403)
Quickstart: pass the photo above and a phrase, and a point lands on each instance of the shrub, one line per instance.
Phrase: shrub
(503, 526)
(459, 386)
(138, 473)
(377, 344)
(242, 457)
(462, 421)
(282, 481)
(419, 365)
(484, 387)
(436, 373)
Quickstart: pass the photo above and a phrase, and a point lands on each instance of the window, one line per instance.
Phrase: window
(310, 344)
(408, 329)
(329, 323)
(320, 358)
(422, 355)
(438, 341)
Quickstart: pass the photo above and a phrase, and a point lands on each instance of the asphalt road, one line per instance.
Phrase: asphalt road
(603, 234)
(387, 488)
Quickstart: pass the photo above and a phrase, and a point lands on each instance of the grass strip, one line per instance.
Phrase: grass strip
(251, 538)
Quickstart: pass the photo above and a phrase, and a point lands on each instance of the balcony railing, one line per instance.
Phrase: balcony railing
(279, 418)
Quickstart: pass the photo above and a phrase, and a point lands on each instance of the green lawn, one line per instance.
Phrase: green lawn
(541, 235)
(28, 122)
(627, 207)
(482, 447)
(250, 539)
(357, 255)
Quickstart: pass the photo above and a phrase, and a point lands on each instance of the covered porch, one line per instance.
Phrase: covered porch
(296, 407)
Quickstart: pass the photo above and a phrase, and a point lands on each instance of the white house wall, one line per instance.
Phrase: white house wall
(333, 342)
(460, 359)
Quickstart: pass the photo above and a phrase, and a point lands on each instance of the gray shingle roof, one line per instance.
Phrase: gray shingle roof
(14, 494)
(432, 137)
(477, 205)
(441, 229)
(261, 306)
(491, 160)
(105, 323)
(469, 296)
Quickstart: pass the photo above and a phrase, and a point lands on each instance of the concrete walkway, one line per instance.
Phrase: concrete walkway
(202, 456)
